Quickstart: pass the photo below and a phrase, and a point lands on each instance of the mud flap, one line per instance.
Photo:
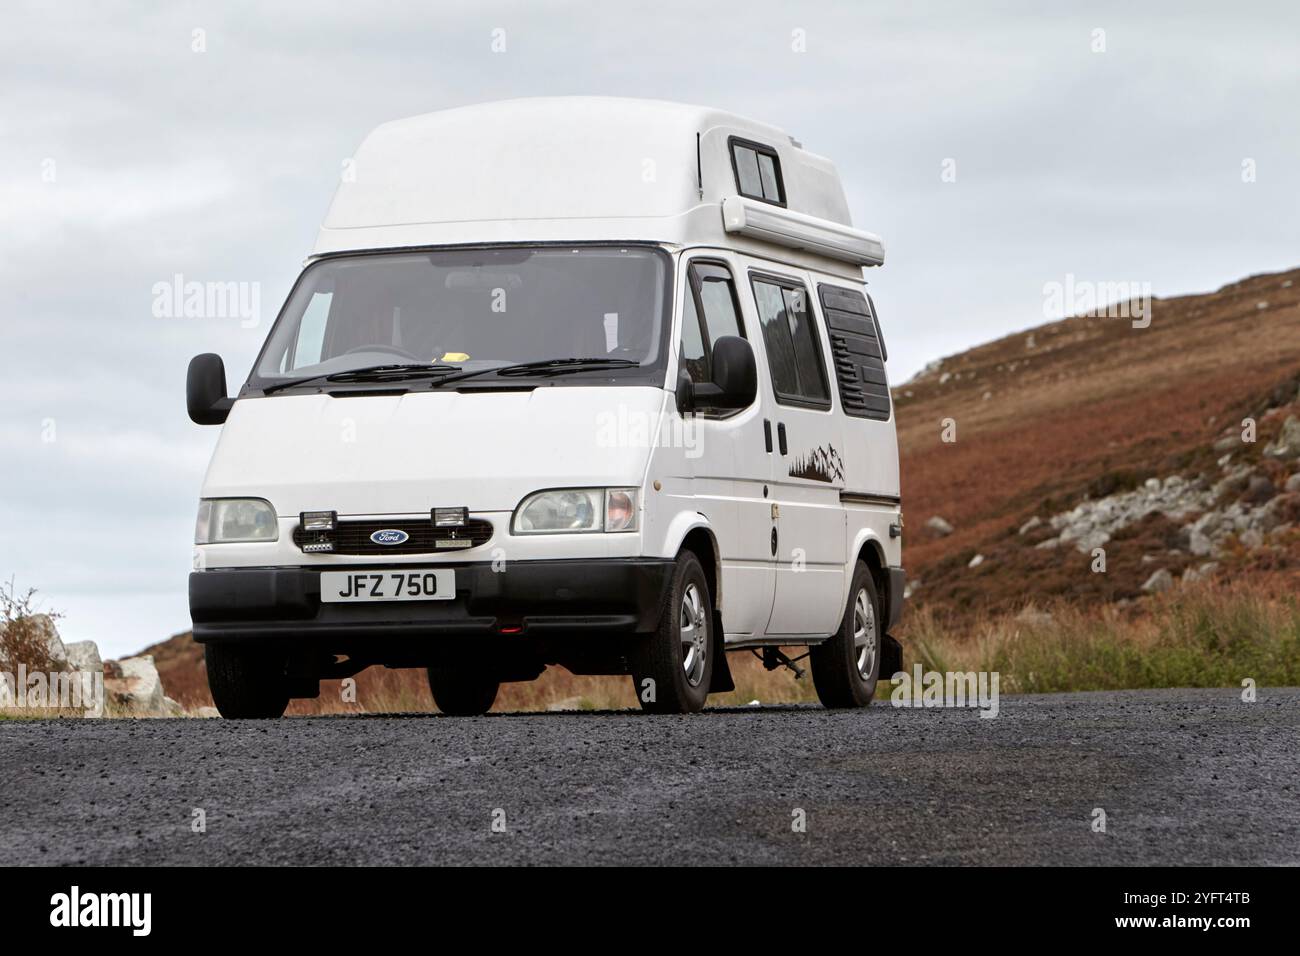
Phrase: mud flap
(891, 658)
(721, 681)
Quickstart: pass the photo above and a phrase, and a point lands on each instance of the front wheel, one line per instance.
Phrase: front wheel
(246, 682)
(846, 667)
(672, 668)
(463, 691)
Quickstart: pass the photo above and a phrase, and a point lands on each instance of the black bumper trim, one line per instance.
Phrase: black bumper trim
(604, 596)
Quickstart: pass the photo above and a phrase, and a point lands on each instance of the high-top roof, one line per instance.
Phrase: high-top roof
(561, 168)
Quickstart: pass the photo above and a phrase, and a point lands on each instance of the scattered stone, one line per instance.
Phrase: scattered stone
(1162, 580)
(1251, 538)
(1200, 543)
(48, 635)
(1292, 484)
(1035, 521)
(1192, 575)
(1227, 443)
(976, 561)
(1288, 443)
(1033, 615)
(134, 686)
(84, 656)
(1261, 306)
(938, 527)
(567, 703)
(1259, 489)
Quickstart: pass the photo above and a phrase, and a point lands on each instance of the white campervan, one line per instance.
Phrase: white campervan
(578, 381)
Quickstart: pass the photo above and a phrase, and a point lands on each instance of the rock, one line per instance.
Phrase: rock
(84, 656)
(1192, 575)
(1292, 484)
(1162, 580)
(1251, 538)
(133, 685)
(567, 703)
(1035, 521)
(1032, 615)
(1199, 543)
(976, 561)
(1048, 545)
(1288, 443)
(171, 708)
(206, 713)
(938, 527)
(1227, 443)
(48, 634)
(1259, 489)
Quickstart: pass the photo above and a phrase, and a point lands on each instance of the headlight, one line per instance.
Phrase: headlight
(571, 510)
(223, 520)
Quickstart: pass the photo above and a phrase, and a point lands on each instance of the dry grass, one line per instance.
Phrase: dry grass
(1203, 636)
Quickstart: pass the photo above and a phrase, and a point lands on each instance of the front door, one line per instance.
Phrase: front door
(730, 472)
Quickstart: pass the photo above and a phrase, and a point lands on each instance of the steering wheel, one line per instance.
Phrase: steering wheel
(391, 349)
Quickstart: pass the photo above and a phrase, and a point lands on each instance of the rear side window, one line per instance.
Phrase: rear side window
(858, 351)
(794, 353)
(758, 171)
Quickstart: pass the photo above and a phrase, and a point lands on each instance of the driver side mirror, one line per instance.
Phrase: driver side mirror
(735, 378)
(205, 390)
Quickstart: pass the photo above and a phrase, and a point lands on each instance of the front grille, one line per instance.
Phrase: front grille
(353, 537)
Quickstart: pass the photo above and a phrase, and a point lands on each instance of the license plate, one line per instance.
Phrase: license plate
(417, 584)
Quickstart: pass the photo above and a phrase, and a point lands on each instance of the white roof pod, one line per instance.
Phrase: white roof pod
(584, 168)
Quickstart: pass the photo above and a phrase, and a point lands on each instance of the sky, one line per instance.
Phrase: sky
(997, 147)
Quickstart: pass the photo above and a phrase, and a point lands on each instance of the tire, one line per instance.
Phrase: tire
(846, 667)
(463, 691)
(677, 659)
(247, 683)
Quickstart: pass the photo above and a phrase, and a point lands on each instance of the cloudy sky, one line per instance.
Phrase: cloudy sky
(128, 157)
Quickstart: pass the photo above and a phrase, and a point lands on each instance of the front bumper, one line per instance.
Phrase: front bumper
(538, 598)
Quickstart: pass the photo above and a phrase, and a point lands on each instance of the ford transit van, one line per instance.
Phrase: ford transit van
(584, 382)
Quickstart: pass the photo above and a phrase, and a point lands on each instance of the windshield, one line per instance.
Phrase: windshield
(471, 309)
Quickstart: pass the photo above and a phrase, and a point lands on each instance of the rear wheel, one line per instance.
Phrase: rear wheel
(246, 682)
(672, 668)
(463, 691)
(846, 667)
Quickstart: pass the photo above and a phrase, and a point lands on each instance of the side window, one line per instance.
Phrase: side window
(711, 287)
(758, 171)
(793, 349)
(859, 352)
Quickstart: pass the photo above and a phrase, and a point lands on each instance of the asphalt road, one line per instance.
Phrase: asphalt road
(1183, 777)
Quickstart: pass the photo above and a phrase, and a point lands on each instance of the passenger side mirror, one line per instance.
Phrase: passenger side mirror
(735, 376)
(205, 390)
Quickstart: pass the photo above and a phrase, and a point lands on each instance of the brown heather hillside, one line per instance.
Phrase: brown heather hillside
(1087, 407)
(1068, 412)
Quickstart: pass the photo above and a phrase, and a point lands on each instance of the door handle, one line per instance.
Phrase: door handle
(774, 542)
(767, 435)
(780, 436)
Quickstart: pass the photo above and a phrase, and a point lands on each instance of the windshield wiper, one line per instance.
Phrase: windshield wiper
(546, 367)
(369, 373)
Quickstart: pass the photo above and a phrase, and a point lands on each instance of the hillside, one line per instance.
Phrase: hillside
(1085, 433)
(1086, 412)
